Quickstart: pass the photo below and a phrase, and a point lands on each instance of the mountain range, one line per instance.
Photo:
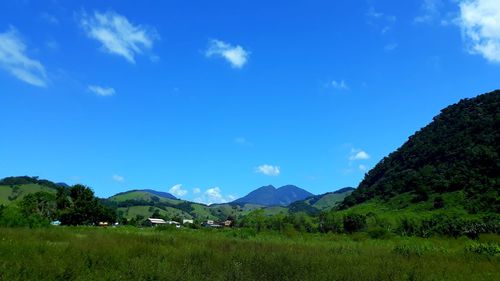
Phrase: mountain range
(451, 165)
(143, 203)
(271, 196)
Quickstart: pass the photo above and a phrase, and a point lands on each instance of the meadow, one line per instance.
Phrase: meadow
(128, 253)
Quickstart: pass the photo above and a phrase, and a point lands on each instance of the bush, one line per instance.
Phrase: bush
(490, 249)
(438, 202)
(407, 227)
(354, 222)
(378, 232)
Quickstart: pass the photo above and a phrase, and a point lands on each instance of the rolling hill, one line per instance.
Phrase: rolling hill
(322, 202)
(452, 162)
(145, 193)
(13, 189)
(144, 203)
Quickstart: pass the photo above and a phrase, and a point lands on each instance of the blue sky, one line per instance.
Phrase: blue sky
(211, 99)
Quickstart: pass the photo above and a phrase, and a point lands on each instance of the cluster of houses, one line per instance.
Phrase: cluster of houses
(159, 222)
(207, 223)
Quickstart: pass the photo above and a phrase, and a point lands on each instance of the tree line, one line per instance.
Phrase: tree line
(75, 205)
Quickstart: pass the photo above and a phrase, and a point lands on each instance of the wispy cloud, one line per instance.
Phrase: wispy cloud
(381, 21)
(358, 154)
(391, 47)
(118, 178)
(430, 11)
(13, 59)
(177, 190)
(52, 45)
(268, 170)
(242, 141)
(49, 18)
(196, 190)
(117, 35)
(362, 167)
(101, 91)
(235, 55)
(339, 85)
(480, 24)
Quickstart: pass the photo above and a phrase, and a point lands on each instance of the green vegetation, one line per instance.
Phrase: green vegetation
(38, 202)
(315, 204)
(68, 253)
(458, 151)
(429, 211)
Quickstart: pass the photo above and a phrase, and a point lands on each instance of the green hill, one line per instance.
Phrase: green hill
(144, 203)
(318, 203)
(454, 162)
(141, 196)
(13, 189)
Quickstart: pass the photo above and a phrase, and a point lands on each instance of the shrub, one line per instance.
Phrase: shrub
(490, 249)
(407, 227)
(438, 202)
(354, 222)
(378, 232)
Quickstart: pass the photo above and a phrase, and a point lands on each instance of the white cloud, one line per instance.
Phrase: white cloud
(339, 85)
(235, 55)
(177, 190)
(358, 154)
(196, 190)
(214, 196)
(480, 23)
(101, 91)
(118, 178)
(13, 58)
(117, 35)
(268, 170)
(362, 167)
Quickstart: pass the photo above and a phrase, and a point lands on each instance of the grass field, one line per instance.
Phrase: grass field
(150, 254)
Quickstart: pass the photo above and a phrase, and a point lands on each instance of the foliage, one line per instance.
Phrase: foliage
(76, 205)
(490, 249)
(13, 181)
(354, 222)
(84, 253)
(84, 208)
(458, 150)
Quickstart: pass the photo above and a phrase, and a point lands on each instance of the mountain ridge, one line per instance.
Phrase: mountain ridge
(269, 195)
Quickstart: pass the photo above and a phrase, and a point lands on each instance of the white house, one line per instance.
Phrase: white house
(155, 222)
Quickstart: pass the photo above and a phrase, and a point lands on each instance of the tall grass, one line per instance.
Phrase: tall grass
(149, 254)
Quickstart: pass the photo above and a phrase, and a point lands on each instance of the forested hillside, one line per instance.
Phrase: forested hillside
(459, 151)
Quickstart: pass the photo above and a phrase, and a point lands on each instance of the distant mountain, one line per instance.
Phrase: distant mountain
(322, 202)
(453, 161)
(343, 190)
(271, 196)
(160, 193)
(63, 184)
(146, 203)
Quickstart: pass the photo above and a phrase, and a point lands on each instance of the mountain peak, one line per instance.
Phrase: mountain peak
(270, 196)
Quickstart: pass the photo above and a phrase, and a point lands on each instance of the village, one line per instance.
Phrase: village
(154, 222)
